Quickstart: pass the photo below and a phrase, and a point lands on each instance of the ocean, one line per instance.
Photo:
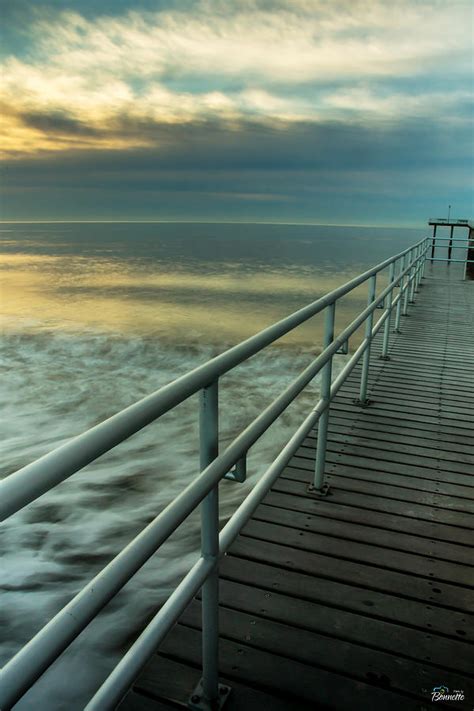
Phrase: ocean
(96, 316)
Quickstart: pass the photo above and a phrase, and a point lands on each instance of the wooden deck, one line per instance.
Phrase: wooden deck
(363, 599)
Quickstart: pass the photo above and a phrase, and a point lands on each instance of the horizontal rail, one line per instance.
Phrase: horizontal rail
(31, 661)
(465, 240)
(448, 259)
(448, 221)
(131, 664)
(119, 681)
(30, 482)
(36, 656)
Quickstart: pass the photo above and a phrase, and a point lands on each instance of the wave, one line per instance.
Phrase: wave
(58, 384)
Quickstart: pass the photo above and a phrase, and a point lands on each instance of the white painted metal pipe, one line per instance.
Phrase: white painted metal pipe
(19, 674)
(35, 479)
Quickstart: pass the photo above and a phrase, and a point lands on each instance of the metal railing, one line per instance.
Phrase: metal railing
(406, 270)
(447, 221)
(449, 243)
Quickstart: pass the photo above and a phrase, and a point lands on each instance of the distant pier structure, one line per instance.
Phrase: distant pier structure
(454, 243)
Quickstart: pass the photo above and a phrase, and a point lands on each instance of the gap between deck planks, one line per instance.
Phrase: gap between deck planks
(363, 599)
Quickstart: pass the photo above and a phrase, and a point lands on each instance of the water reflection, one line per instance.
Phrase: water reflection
(218, 283)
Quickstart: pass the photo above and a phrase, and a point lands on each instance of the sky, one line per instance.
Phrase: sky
(324, 111)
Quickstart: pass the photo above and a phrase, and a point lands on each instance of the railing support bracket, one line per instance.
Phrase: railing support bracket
(239, 473)
(384, 357)
(323, 491)
(198, 702)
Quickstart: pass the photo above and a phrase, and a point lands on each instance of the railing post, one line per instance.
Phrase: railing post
(386, 332)
(364, 378)
(406, 293)
(326, 377)
(433, 242)
(209, 694)
(424, 248)
(413, 273)
(399, 302)
(450, 246)
(423, 264)
(419, 270)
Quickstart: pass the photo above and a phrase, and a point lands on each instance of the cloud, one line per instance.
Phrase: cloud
(287, 42)
(250, 107)
(56, 122)
(104, 81)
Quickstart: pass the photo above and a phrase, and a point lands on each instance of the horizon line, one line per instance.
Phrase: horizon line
(213, 222)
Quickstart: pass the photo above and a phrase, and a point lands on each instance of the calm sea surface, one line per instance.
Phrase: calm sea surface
(94, 317)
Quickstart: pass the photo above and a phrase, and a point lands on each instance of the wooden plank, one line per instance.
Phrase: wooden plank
(303, 471)
(168, 678)
(423, 385)
(386, 462)
(406, 391)
(293, 681)
(343, 431)
(284, 627)
(338, 597)
(428, 341)
(370, 554)
(437, 533)
(429, 398)
(358, 532)
(344, 422)
(402, 389)
(428, 354)
(397, 397)
(384, 405)
(403, 386)
(135, 701)
(352, 573)
(400, 367)
(425, 505)
(394, 418)
(423, 353)
(405, 372)
(435, 497)
(366, 459)
(408, 515)
(430, 381)
(396, 452)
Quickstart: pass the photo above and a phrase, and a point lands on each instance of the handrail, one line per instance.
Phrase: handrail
(127, 670)
(447, 221)
(31, 481)
(467, 243)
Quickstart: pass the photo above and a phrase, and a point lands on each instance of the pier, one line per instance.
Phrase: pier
(344, 579)
(362, 598)
(454, 244)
